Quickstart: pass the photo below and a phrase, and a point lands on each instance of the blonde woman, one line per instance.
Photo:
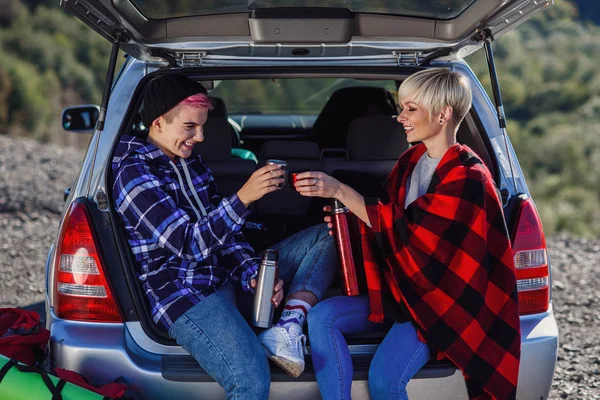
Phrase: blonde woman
(437, 258)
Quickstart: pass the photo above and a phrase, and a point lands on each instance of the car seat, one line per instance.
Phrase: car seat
(230, 172)
(331, 126)
(218, 114)
(374, 145)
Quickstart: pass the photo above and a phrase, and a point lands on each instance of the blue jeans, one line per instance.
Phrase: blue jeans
(398, 358)
(216, 332)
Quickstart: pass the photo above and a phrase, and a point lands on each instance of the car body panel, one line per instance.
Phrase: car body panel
(104, 352)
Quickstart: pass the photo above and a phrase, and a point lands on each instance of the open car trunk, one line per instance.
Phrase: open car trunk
(279, 224)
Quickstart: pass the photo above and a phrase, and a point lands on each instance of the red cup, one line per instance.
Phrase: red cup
(294, 178)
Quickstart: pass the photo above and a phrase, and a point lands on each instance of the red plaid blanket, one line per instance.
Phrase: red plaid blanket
(447, 257)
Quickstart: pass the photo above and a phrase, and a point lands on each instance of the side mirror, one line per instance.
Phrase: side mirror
(80, 118)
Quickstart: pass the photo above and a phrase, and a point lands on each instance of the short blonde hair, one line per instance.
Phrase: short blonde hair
(436, 88)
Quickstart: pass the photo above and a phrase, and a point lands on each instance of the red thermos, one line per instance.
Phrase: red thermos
(341, 219)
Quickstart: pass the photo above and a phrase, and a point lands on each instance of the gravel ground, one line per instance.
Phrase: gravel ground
(33, 177)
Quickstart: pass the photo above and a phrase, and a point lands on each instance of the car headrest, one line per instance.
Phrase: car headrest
(219, 108)
(217, 136)
(331, 126)
(377, 137)
(289, 150)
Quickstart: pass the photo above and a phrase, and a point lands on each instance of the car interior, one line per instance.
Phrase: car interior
(356, 141)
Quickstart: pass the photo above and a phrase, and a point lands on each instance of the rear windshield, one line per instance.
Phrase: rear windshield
(286, 96)
(431, 9)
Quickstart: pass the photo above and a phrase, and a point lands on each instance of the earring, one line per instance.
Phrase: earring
(441, 121)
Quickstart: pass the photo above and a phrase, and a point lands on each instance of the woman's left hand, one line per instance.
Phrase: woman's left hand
(317, 184)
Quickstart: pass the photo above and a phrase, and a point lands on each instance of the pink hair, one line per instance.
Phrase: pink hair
(199, 100)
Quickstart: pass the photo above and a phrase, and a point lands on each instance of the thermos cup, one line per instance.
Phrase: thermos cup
(342, 223)
(283, 164)
(268, 276)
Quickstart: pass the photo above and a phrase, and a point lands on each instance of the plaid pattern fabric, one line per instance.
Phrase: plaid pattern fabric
(179, 258)
(448, 259)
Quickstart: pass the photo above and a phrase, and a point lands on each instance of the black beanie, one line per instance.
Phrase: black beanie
(164, 93)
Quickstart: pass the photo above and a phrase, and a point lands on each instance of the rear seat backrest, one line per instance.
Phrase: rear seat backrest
(230, 173)
(346, 104)
(219, 111)
(289, 150)
(374, 145)
(300, 157)
(376, 138)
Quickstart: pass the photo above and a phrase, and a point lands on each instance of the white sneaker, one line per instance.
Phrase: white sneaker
(285, 348)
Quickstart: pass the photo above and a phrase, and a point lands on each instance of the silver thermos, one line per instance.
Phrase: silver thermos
(268, 276)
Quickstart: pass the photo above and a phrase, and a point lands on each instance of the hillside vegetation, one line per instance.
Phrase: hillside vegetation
(550, 84)
(548, 72)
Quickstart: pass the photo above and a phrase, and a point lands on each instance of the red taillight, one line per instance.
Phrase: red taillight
(81, 290)
(531, 261)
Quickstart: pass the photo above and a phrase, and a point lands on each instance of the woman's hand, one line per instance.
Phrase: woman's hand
(318, 184)
(264, 180)
(328, 219)
(278, 290)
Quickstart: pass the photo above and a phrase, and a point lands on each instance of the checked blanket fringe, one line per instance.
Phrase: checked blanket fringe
(447, 258)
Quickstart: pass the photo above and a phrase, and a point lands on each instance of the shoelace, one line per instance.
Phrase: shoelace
(300, 344)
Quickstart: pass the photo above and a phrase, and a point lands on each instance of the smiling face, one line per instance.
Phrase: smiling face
(176, 132)
(419, 123)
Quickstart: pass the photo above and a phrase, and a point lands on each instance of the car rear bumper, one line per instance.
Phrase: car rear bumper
(103, 352)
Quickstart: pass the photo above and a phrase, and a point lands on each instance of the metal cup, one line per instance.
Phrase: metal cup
(283, 164)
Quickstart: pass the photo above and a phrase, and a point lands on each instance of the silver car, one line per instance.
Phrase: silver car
(352, 55)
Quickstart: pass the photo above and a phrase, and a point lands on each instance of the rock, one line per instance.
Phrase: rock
(569, 348)
(558, 285)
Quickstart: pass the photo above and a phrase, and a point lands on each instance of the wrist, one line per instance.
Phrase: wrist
(243, 198)
(340, 193)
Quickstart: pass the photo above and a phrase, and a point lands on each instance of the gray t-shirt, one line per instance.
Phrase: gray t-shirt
(419, 179)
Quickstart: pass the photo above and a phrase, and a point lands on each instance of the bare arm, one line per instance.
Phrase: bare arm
(319, 184)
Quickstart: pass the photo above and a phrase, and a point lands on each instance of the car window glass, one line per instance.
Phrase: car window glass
(286, 96)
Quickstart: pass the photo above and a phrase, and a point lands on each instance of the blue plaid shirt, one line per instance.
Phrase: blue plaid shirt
(184, 251)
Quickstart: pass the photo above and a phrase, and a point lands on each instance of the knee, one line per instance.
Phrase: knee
(321, 319)
(313, 318)
(321, 315)
(322, 232)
